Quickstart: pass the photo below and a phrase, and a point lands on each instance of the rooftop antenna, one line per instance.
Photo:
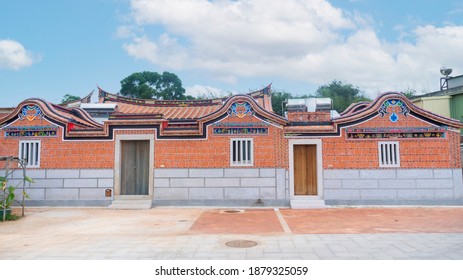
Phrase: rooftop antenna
(444, 80)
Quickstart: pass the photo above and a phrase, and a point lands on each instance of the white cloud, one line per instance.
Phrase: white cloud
(124, 32)
(14, 56)
(298, 40)
(205, 91)
(166, 51)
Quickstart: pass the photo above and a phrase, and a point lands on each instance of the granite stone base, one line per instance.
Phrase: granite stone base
(393, 186)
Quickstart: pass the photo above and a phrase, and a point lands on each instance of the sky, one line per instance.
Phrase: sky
(51, 48)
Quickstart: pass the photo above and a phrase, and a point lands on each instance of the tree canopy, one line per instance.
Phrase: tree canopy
(342, 95)
(147, 85)
(277, 100)
(409, 93)
(68, 98)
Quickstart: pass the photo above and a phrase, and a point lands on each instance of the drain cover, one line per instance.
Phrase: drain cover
(232, 211)
(241, 243)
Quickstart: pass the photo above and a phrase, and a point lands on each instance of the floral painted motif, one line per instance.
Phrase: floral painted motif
(240, 109)
(30, 113)
(391, 106)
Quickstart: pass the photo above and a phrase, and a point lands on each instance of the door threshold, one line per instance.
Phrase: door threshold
(306, 197)
(307, 203)
(132, 197)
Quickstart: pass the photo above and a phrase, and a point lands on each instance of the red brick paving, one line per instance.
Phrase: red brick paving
(333, 220)
(375, 220)
(252, 221)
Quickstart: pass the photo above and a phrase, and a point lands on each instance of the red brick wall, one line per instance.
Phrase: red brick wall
(57, 154)
(269, 150)
(414, 153)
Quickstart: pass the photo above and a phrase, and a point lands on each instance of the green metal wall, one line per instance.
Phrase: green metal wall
(456, 107)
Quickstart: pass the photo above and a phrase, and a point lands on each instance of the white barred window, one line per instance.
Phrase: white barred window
(30, 151)
(389, 154)
(241, 152)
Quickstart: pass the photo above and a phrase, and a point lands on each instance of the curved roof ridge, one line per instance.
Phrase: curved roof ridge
(375, 105)
(85, 99)
(265, 90)
(57, 113)
(256, 106)
(107, 96)
(354, 107)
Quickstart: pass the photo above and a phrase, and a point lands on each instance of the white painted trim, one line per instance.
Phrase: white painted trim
(318, 143)
(387, 155)
(117, 161)
(241, 140)
(31, 153)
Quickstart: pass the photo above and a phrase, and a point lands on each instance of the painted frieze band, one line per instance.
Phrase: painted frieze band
(31, 131)
(401, 132)
(240, 129)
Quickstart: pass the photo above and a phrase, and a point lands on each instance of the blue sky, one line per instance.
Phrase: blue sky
(52, 48)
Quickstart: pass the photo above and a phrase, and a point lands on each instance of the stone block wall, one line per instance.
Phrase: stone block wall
(393, 186)
(66, 187)
(219, 186)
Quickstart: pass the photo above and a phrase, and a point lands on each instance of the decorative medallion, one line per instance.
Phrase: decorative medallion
(240, 109)
(30, 113)
(393, 107)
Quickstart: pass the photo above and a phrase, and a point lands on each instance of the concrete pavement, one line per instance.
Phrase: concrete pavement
(194, 233)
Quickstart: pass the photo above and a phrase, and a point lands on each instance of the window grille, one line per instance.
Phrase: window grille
(389, 154)
(30, 151)
(241, 152)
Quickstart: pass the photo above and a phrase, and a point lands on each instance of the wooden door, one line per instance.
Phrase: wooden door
(305, 169)
(135, 167)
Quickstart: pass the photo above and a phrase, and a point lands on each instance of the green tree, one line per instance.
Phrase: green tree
(342, 94)
(278, 97)
(68, 98)
(147, 85)
(409, 93)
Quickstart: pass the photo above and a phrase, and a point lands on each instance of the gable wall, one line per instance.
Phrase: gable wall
(57, 154)
(343, 153)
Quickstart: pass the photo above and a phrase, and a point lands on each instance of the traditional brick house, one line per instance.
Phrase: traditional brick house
(235, 152)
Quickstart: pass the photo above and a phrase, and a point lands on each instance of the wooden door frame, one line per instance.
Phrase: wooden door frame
(118, 163)
(318, 144)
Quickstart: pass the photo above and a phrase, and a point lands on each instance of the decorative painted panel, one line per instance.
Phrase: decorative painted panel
(400, 132)
(30, 113)
(240, 109)
(31, 131)
(240, 129)
(393, 107)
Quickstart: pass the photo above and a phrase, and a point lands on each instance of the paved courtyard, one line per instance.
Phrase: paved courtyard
(202, 233)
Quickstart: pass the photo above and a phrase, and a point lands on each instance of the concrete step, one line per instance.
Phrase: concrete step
(131, 204)
(307, 204)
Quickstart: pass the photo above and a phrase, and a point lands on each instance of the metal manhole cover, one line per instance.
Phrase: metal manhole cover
(241, 243)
